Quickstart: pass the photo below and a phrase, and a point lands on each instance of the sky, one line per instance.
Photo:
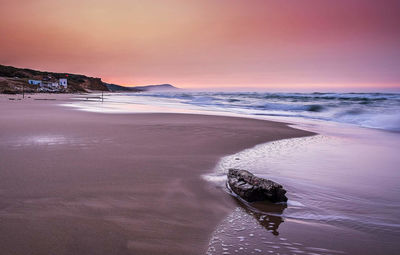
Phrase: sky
(269, 44)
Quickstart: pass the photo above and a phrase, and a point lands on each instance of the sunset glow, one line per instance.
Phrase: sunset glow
(308, 44)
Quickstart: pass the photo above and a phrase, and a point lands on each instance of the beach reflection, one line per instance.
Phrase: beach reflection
(267, 214)
(254, 229)
(248, 229)
(54, 141)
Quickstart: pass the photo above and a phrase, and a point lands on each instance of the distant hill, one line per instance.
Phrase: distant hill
(161, 87)
(12, 80)
(119, 88)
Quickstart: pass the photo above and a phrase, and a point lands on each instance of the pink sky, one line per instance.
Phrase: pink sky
(286, 44)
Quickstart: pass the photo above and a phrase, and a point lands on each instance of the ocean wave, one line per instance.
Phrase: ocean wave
(315, 108)
(372, 110)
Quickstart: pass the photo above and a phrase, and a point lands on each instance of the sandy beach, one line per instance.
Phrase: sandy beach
(74, 182)
(199, 127)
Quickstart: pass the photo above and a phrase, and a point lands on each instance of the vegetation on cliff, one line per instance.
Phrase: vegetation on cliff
(13, 79)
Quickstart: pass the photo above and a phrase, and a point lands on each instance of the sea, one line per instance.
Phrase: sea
(370, 110)
(343, 184)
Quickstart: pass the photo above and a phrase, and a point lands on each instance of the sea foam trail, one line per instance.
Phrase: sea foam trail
(324, 179)
(327, 185)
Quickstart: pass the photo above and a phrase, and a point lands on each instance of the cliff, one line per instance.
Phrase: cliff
(12, 80)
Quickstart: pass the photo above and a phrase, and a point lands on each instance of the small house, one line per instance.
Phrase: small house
(35, 82)
(63, 83)
(49, 84)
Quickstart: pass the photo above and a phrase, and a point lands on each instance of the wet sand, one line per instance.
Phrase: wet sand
(74, 182)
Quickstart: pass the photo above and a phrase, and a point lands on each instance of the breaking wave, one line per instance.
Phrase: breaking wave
(372, 110)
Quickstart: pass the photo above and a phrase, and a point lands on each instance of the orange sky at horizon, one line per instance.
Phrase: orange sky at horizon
(307, 44)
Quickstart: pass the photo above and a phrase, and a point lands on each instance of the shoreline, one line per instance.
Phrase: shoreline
(148, 208)
(325, 213)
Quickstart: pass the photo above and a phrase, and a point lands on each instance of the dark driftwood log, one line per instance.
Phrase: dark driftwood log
(252, 188)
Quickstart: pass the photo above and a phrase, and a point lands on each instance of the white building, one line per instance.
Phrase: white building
(63, 83)
(35, 82)
(49, 84)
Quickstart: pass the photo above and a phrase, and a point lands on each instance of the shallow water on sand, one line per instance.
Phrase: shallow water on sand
(341, 183)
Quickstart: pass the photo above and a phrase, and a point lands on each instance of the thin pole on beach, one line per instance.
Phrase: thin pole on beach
(102, 96)
(23, 90)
